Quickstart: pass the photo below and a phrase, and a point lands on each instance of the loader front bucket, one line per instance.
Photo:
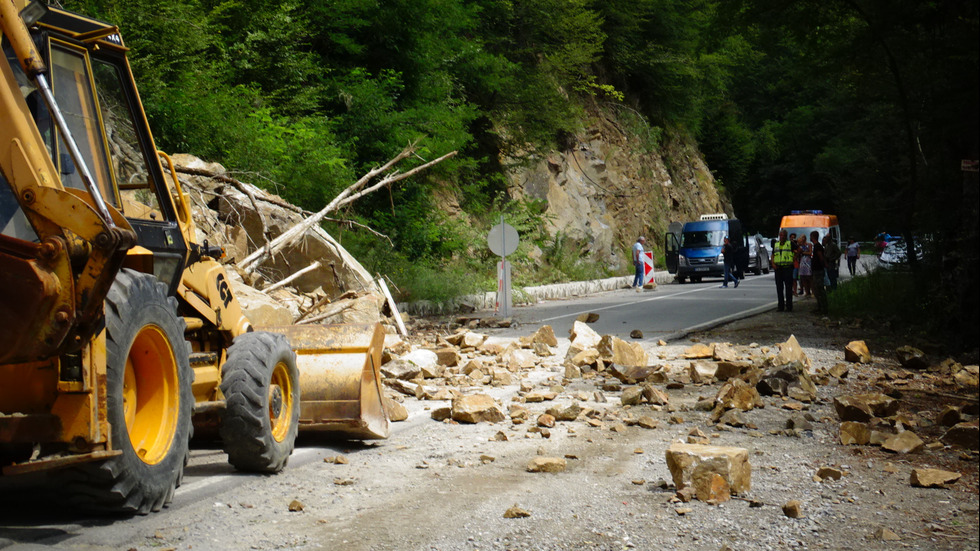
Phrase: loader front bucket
(339, 378)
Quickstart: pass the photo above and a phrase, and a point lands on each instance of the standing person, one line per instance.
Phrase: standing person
(804, 251)
(853, 254)
(818, 264)
(796, 262)
(782, 262)
(729, 251)
(832, 254)
(638, 262)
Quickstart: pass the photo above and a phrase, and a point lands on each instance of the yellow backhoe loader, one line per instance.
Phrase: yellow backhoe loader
(118, 333)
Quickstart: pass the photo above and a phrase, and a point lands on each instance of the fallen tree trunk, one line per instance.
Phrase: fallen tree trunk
(345, 197)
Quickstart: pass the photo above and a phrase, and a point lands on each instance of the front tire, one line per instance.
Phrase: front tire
(149, 402)
(260, 382)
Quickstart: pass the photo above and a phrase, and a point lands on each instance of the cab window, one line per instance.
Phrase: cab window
(72, 87)
(136, 189)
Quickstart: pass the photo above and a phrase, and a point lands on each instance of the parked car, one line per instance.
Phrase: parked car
(758, 255)
(896, 251)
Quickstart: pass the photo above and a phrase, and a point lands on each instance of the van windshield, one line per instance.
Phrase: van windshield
(805, 232)
(703, 238)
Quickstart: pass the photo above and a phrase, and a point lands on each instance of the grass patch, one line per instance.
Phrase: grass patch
(881, 293)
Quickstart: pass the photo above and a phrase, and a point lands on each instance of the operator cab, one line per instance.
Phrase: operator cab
(92, 83)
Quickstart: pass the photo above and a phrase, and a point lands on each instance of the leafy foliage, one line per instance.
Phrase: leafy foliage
(859, 107)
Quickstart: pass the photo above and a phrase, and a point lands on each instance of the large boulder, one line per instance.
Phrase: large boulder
(582, 336)
(476, 408)
(617, 351)
(796, 376)
(863, 407)
(690, 462)
(790, 352)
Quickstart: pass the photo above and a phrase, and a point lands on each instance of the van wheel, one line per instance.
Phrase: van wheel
(149, 402)
(260, 382)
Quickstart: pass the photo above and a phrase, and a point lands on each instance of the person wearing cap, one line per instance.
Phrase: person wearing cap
(638, 261)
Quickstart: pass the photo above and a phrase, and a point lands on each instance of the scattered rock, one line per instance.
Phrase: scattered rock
(911, 357)
(886, 534)
(686, 494)
(569, 413)
(904, 442)
(654, 396)
(857, 352)
(932, 478)
(733, 418)
(582, 336)
(797, 378)
(724, 352)
(396, 411)
(540, 396)
(702, 372)
(793, 509)
(862, 407)
(736, 393)
(545, 335)
(616, 350)
(949, 416)
(476, 408)
(791, 352)
(636, 334)
(518, 358)
(441, 414)
(547, 465)
(632, 396)
(852, 432)
(829, 472)
(964, 435)
(545, 420)
(647, 422)
(590, 317)
(798, 421)
(295, 506)
(699, 351)
(839, 371)
(516, 512)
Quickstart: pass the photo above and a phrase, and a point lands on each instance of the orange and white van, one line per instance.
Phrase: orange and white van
(802, 222)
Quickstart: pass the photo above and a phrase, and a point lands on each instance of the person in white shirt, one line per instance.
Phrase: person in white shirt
(638, 262)
(853, 254)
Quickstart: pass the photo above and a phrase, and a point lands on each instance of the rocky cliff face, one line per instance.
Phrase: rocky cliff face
(607, 189)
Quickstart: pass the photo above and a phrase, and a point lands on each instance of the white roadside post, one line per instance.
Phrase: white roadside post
(503, 240)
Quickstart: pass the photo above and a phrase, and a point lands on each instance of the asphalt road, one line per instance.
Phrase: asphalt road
(666, 312)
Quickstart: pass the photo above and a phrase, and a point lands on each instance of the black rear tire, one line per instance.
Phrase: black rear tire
(149, 402)
(260, 382)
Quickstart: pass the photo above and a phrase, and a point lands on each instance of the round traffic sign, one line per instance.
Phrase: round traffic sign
(503, 239)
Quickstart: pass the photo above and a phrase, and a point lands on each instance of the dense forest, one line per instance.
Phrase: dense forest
(864, 108)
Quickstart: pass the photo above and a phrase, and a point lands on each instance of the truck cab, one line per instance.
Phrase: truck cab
(695, 251)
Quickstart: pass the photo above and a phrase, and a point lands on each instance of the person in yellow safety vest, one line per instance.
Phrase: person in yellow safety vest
(782, 261)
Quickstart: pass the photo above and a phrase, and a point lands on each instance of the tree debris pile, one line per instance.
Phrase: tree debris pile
(323, 282)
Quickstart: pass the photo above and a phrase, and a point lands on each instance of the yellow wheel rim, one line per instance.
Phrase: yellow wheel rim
(280, 402)
(151, 398)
